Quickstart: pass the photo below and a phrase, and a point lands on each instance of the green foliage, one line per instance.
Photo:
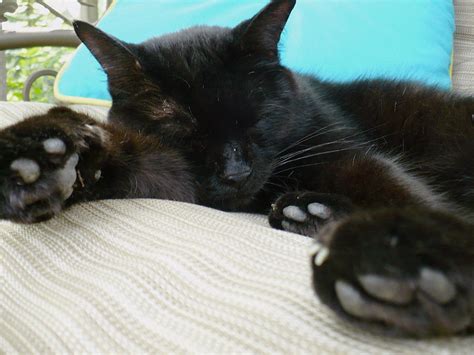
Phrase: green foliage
(21, 63)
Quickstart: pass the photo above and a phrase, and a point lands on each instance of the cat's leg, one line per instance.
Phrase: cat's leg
(344, 186)
(453, 170)
(401, 271)
(51, 161)
(391, 257)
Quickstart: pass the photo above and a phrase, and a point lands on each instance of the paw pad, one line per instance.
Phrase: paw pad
(319, 210)
(28, 169)
(54, 146)
(294, 213)
(352, 301)
(436, 285)
(66, 177)
(386, 289)
(398, 292)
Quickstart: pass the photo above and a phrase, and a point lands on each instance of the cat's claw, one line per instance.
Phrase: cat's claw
(306, 213)
(415, 287)
(320, 253)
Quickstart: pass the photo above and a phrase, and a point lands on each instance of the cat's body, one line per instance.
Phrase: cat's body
(381, 173)
(426, 133)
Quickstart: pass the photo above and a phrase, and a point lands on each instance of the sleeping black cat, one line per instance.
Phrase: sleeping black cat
(380, 173)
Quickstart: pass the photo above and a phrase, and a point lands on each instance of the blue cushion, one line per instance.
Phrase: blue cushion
(339, 40)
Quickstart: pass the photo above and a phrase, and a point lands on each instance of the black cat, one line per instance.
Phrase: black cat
(380, 173)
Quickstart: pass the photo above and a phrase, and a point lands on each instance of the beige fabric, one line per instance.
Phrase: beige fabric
(147, 276)
(463, 69)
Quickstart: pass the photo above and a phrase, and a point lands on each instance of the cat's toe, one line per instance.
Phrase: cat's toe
(433, 283)
(305, 213)
(436, 285)
(295, 220)
(66, 177)
(319, 210)
(54, 146)
(27, 169)
(388, 289)
(353, 302)
(404, 308)
(360, 306)
(294, 213)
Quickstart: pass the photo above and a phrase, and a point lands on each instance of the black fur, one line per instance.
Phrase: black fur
(387, 166)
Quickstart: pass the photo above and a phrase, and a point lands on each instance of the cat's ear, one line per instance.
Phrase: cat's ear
(262, 32)
(122, 67)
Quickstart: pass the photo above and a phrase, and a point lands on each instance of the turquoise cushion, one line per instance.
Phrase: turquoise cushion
(339, 40)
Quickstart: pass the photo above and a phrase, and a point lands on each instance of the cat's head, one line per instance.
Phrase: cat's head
(221, 93)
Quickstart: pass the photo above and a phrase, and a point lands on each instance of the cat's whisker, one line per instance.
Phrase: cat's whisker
(182, 80)
(280, 186)
(274, 107)
(351, 147)
(299, 152)
(318, 132)
(334, 151)
(299, 167)
(289, 157)
(282, 157)
(325, 130)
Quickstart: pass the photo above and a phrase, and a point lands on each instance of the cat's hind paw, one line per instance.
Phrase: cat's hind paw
(307, 212)
(408, 272)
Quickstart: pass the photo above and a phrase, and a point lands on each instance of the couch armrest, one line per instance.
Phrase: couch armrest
(463, 68)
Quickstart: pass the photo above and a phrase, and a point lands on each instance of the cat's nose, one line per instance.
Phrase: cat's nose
(236, 169)
(236, 177)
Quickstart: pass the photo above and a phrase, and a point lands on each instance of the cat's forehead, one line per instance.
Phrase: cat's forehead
(196, 46)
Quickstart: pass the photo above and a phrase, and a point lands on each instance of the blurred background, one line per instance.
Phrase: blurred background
(36, 38)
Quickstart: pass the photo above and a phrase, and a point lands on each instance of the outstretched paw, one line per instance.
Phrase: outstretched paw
(408, 272)
(306, 213)
(34, 188)
(38, 163)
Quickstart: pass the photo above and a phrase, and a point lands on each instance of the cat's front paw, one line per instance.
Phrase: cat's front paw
(36, 177)
(307, 212)
(408, 272)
